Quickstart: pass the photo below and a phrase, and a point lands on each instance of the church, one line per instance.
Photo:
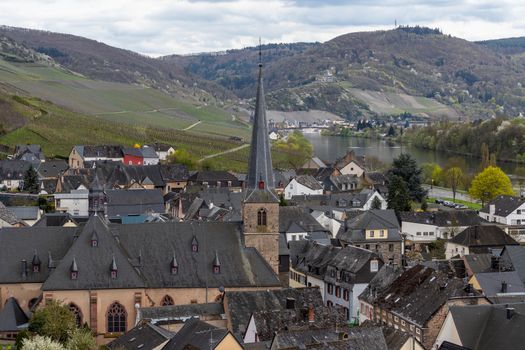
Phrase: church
(105, 271)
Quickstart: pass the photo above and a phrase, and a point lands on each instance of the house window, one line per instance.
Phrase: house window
(371, 233)
(390, 247)
(94, 243)
(367, 246)
(229, 184)
(216, 269)
(396, 318)
(113, 274)
(261, 217)
(330, 288)
(74, 275)
(346, 294)
(174, 270)
(382, 233)
(347, 313)
(167, 300)
(403, 323)
(78, 314)
(518, 211)
(374, 265)
(418, 233)
(412, 327)
(116, 318)
(329, 303)
(338, 291)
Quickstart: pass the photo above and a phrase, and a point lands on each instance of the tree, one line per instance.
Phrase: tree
(376, 203)
(296, 150)
(431, 173)
(485, 156)
(81, 339)
(181, 156)
(31, 183)
(398, 194)
(424, 204)
(406, 167)
(454, 178)
(41, 343)
(55, 321)
(391, 131)
(490, 183)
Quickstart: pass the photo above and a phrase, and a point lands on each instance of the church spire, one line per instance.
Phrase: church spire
(260, 171)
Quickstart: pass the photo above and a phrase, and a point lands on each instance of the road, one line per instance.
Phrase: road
(442, 192)
(192, 125)
(224, 152)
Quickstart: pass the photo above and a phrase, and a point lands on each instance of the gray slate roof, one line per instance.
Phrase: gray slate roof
(8, 215)
(371, 220)
(484, 327)
(25, 213)
(100, 151)
(295, 215)
(491, 282)
(504, 205)
(448, 218)
(515, 255)
(174, 312)
(134, 202)
(381, 282)
(483, 236)
(13, 169)
(12, 317)
(52, 168)
(197, 334)
(309, 181)
(144, 336)
(241, 305)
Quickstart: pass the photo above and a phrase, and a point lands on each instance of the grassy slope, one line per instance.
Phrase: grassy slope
(57, 130)
(132, 104)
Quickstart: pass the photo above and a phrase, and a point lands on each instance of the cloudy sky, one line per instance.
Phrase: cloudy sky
(160, 27)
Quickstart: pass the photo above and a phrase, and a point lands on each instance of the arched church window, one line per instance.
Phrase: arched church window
(78, 314)
(116, 318)
(261, 217)
(167, 300)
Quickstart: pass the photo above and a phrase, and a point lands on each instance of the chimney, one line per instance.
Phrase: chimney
(24, 269)
(290, 303)
(504, 287)
(510, 312)
(311, 314)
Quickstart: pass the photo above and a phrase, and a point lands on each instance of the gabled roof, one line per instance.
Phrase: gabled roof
(308, 181)
(290, 215)
(148, 152)
(12, 317)
(14, 169)
(352, 259)
(134, 202)
(448, 218)
(8, 215)
(93, 262)
(212, 176)
(174, 172)
(144, 336)
(52, 168)
(373, 219)
(484, 327)
(25, 213)
(241, 305)
(132, 151)
(312, 258)
(198, 334)
(483, 236)
(504, 205)
(478, 263)
(100, 151)
(381, 282)
(161, 147)
(491, 282)
(515, 255)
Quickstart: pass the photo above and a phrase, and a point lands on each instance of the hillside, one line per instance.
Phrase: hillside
(507, 46)
(372, 73)
(99, 61)
(27, 73)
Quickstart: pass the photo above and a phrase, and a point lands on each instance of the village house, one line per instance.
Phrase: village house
(12, 319)
(122, 203)
(175, 176)
(163, 151)
(302, 185)
(9, 219)
(28, 214)
(376, 230)
(341, 202)
(211, 179)
(12, 173)
(351, 164)
(498, 283)
(477, 239)
(30, 153)
(295, 223)
(149, 155)
(74, 202)
(416, 302)
(144, 336)
(132, 156)
(483, 327)
(81, 154)
(314, 163)
(513, 256)
(508, 211)
(341, 183)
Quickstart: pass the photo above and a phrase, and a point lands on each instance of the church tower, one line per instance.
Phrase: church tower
(260, 209)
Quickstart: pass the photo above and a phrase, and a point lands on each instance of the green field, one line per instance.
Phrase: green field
(124, 103)
(57, 130)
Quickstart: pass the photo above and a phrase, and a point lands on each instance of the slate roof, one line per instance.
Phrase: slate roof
(55, 219)
(8, 215)
(313, 258)
(241, 305)
(309, 181)
(355, 262)
(371, 220)
(17, 244)
(13, 169)
(515, 255)
(22, 151)
(358, 338)
(144, 336)
(478, 262)
(418, 293)
(132, 151)
(52, 168)
(491, 282)
(100, 151)
(148, 152)
(161, 147)
(484, 327)
(270, 321)
(343, 200)
(376, 177)
(504, 205)
(483, 236)
(12, 317)
(174, 172)
(25, 213)
(339, 181)
(212, 176)
(260, 159)
(134, 202)
(448, 218)
(175, 312)
(386, 275)
(197, 334)
(292, 215)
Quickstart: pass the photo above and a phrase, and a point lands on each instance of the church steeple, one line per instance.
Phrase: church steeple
(260, 170)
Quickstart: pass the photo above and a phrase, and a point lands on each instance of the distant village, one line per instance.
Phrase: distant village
(149, 255)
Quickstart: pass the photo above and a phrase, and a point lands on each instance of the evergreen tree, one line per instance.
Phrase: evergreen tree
(406, 167)
(424, 205)
(391, 131)
(398, 194)
(376, 203)
(31, 183)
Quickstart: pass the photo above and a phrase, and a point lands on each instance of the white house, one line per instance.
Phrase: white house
(327, 220)
(75, 203)
(302, 185)
(163, 150)
(353, 168)
(506, 210)
(150, 157)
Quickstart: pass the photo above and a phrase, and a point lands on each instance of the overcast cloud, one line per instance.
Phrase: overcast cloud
(161, 27)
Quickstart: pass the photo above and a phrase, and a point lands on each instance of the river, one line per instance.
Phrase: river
(329, 148)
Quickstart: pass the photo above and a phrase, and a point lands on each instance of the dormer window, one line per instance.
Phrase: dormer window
(216, 269)
(94, 239)
(194, 245)
(216, 264)
(36, 263)
(261, 217)
(74, 275)
(261, 185)
(73, 270)
(174, 266)
(113, 274)
(174, 270)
